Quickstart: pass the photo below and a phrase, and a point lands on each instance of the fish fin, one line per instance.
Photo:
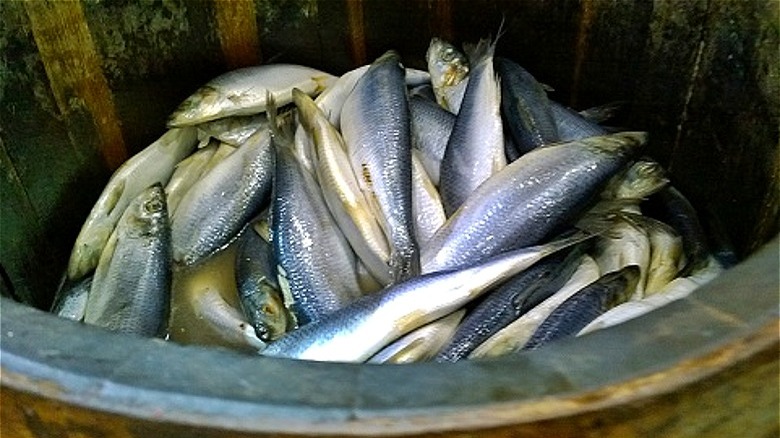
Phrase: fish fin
(281, 124)
(601, 113)
(483, 51)
(307, 109)
(323, 82)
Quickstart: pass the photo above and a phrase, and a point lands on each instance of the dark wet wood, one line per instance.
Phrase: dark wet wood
(357, 31)
(237, 31)
(74, 71)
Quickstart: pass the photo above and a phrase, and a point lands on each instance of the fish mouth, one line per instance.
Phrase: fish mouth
(195, 109)
(454, 74)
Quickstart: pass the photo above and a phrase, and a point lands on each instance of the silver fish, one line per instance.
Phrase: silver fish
(420, 344)
(539, 192)
(233, 130)
(431, 129)
(666, 253)
(216, 208)
(154, 164)
(449, 69)
(71, 300)
(205, 306)
(316, 266)
(341, 191)
(677, 289)
(516, 334)
(602, 113)
(187, 173)
(226, 325)
(586, 305)
(356, 332)
(509, 301)
(638, 181)
(673, 208)
(244, 91)
(131, 288)
(525, 107)
(331, 101)
(258, 290)
(475, 149)
(625, 244)
(426, 204)
(376, 130)
(573, 126)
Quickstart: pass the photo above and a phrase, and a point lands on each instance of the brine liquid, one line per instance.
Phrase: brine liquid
(204, 303)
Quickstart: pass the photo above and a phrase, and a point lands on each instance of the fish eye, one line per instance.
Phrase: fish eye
(153, 206)
(262, 332)
(448, 55)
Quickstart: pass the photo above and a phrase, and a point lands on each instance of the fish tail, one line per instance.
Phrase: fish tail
(307, 109)
(484, 50)
(281, 124)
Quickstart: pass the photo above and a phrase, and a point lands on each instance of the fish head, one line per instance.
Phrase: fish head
(147, 216)
(447, 65)
(630, 278)
(643, 178)
(270, 318)
(202, 106)
(621, 144)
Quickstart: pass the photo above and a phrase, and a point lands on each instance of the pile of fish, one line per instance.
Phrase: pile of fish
(386, 215)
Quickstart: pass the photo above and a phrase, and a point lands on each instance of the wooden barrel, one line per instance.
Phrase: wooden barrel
(86, 84)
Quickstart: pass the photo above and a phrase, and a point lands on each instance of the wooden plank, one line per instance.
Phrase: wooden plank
(154, 55)
(609, 47)
(19, 232)
(726, 157)
(357, 32)
(237, 32)
(440, 21)
(75, 75)
(53, 170)
(667, 73)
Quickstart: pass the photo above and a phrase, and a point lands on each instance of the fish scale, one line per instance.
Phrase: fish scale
(214, 209)
(475, 149)
(533, 196)
(585, 306)
(376, 129)
(316, 264)
(130, 290)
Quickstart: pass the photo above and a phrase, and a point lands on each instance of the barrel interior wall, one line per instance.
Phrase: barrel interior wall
(701, 77)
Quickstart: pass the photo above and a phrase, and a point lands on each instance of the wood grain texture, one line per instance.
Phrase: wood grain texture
(357, 32)
(75, 75)
(237, 31)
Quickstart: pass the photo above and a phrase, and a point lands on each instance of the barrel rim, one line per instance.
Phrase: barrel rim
(670, 348)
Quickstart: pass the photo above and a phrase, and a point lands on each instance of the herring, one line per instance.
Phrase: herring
(533, 196)
(449, 70)
(214, 209)
(475, 149)
(525, 107)
(420, 344)
(154, 164)
(316, 266)
(244, 91)
(359, 330)
(341, 191)
(583, 307)
(259, 294)
(131, 288)
(376, 129)
(516, 334)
